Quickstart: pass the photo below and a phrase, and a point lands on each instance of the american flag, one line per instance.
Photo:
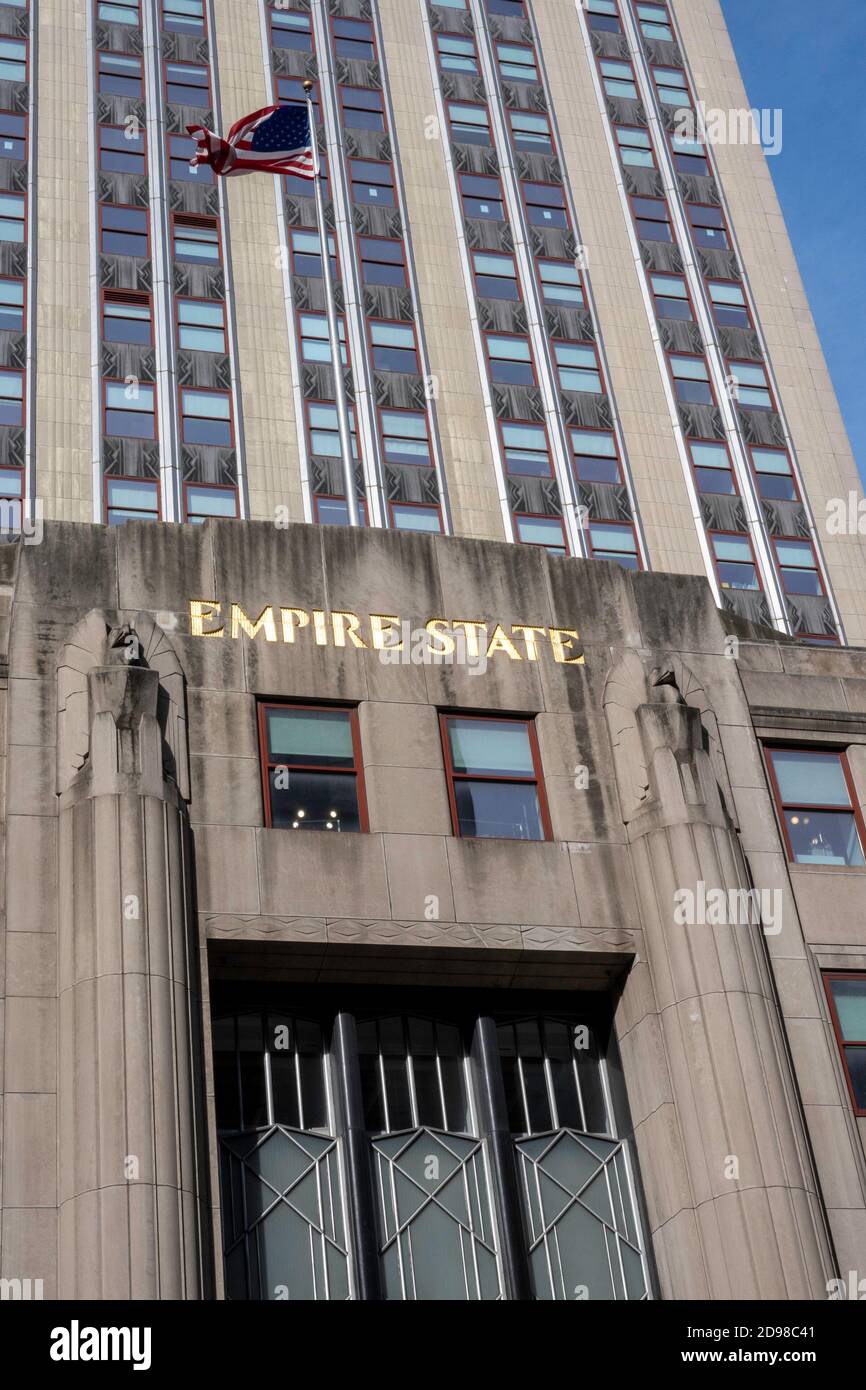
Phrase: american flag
(276, 140)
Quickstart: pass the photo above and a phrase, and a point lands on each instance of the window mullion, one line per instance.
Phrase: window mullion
(351, 1128)
(494, 1128)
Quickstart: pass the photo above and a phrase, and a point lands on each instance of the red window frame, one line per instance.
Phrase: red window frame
(477, 251)
(331, 405)
(195, 219)
(18, 38)
(130, 208)
(723, 280)
(314, 231)
(22, 281)
(697, 357)
(537, 516)
(358, 770)
(617, 16)
(453, 34)
(344, 342)
(197, 299)
(754, 362)
(602, 77)
(214, 487)
(768, 748)
(207, 180)
(757, 472)
(482, 106)
(19, 424)
(672, 274)
(670, 67)
(558, 366)
(353, 87)
(637, 219)
(290, 9)
(338, 497)
(607, 434)
(537, 781)
(611, 556)
(396, 323)
(205, 391)
(422, 506)
(740, 536)
(386, 164)
(675, 154)
(106, 125)
(532, 424)
(512, 112)
(392, 241)
(724, 227)
(202, 35)
(543, 183)
(503, 221)
(115, 478)
(517, 43)
(121, 297)
(416, 414)
(520, 337)
(800, 540)
(185, 62)
(113, 53)
(719, 444)
(841, 1042)
(151, 386)
(352, 19)
(626, 125)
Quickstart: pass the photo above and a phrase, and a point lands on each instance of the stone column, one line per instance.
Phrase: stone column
(740, 1216)
(129, 1159)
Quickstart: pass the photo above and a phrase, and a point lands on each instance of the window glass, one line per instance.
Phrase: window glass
(595, 456)
(202, 502)
(671, 297)
(11, 398)
(773, 471)
(127, 320)
(457, 54)
(121, 150)
(618, 79)
(312, 776)
(393, 347)
(560, 283)
(363, 109)
(542, 530)
(187, 84)
(531, 132)
(494, 778)
(470, 125)
(578, 368)
(404, 434)
(713, 468)
(12, 306)
(526, 451)
(482, 198)
(816, 806)
(118, 13)
(612, 541)
(119, 74)
(201, 325)
(496, 276)
(131, 499)
(516, 62)
(183, 16)
(735, 563)
(353, 38)
(383, 262)
(635, 147)
(372, 182)
(316, 339)
(411, 517)
(753, 391)
(196, 243)
(672, 86)
(180, 151)
(206, 417)
(129, 410)
(291, 30)
(510, 360)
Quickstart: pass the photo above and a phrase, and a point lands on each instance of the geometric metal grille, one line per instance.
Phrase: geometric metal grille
(584, 1241)
(283, 1223)
(437, 1228)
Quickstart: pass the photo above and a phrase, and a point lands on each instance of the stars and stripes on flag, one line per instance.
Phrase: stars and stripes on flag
(275, 140)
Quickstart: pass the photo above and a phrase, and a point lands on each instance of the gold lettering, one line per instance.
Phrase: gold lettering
(293, 620)
(562, 639)
(449, 646)
(383, 628)
(319, 628)
(198, 617)
(347, 625)
(499, 642)
(473, 647)
(264, 623)
(528, 635)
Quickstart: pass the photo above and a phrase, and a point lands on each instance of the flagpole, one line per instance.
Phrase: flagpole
(333, 327)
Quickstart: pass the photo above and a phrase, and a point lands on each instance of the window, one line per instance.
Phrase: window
(372, 182)
(332, 511)
(290, 92)
(180, 151)
(126, 318)
(122, 151)
(123, 231)
(120, 75)
(125, 13)
(131, 499)
(11, 490)
(635, 146)
(196, 240)
(382, 262)
(691, 380)
(526, 450)
(187, 84)
(690, 156)
(847, 996)
(11, 397)
(798, 567)
(546, 531)
(614, 541)
(708, 227)
(311, 766)
(531, 132)
(517, 62)
(545, 204)
(201, 325)
(130, 410)
(735, 563)
(510, 360)
(595, 456)
(672, 87)
(12, 306)
(729, 304)
(409, 516)
(482, 198)
(653, 219)
(752, 390)
(432, 1078)
(363, 109)
(813, 793)
(324, 430)
(470, 125)
(13, 60)
(13, 136)
(202, 502)
(394, 348)
(511, 9)
(353, 38)
(307, 255)
(654, 22)
(404, 437)
(316, 339)
(560, 283)
(457, 54)
(618, 79)
(494, 778)
(671, 296)
(495, 276)
(775, 475)
(12, 214)
(183, 16)
(452, 4)
(290, 30)
(712, 465)
(577, 367)
(603, 15)
(206, 417)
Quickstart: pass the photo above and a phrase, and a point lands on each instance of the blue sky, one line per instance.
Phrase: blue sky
(809, 59)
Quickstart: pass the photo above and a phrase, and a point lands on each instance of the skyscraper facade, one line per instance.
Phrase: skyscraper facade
(466, 904)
